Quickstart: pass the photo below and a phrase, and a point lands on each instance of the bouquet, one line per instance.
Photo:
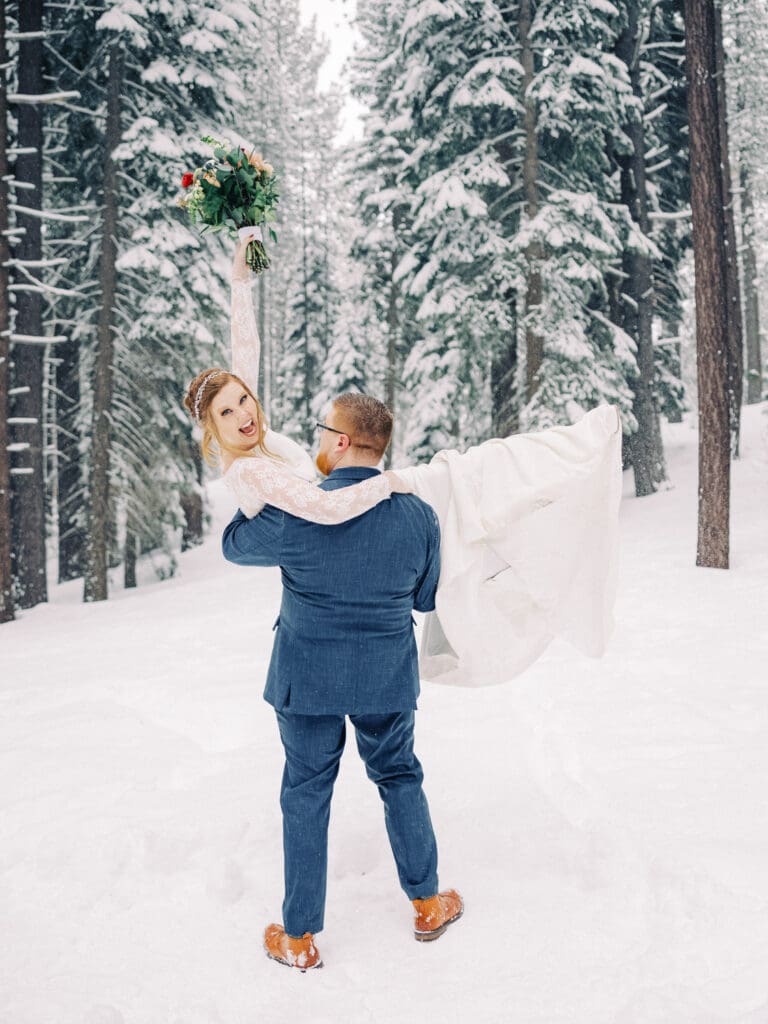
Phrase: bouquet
(233, 191)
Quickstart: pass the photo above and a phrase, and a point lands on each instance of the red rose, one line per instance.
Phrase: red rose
(187, 179)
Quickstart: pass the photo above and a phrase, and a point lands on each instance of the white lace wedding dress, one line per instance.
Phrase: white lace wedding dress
(529, 527)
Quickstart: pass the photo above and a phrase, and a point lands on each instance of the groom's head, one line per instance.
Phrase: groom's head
(357, 430)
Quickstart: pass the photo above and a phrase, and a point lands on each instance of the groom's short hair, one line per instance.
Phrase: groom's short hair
(368, 421)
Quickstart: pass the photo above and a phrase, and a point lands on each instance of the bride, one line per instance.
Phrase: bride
(529, 523)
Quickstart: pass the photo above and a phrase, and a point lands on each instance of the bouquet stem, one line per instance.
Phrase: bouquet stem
(256, 257)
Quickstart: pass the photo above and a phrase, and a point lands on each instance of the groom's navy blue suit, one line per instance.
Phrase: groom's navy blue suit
(345, 646)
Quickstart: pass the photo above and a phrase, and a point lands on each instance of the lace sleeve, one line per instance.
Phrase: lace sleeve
(246, 344)
(260, 481)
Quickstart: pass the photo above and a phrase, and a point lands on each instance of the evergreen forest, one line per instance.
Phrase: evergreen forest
(550, 204)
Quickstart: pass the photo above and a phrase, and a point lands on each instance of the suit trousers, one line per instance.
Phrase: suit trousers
(313, 747)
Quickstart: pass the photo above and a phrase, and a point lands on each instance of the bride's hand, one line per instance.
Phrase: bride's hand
(240, 269)
(397, 484)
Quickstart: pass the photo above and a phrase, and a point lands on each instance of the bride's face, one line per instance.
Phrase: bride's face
(235, 417)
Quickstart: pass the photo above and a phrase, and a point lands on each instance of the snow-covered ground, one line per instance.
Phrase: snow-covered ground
(606, 821)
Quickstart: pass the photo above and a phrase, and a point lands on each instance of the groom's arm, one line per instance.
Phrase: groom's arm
(256, 541)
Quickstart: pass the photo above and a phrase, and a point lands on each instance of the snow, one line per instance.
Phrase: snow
(605, 821)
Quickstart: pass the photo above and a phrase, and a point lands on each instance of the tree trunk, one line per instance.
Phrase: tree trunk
(711, 285)
(28, 486)
(71, 491)
(751, 293)
(505, 418)
(393, 328)
(646, 449)
(6, 580)
(192, 505)
(735, 332)
(99, 508)
(534, 343)
(672, 334)
(129, 563)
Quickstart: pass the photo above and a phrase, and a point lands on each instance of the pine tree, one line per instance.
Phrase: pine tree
(711, 285)
(27, 352)
(6, 579)
(746, 24)
(637, 291)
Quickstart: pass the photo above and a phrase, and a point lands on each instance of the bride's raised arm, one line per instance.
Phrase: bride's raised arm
(270, 481)
(246, 344)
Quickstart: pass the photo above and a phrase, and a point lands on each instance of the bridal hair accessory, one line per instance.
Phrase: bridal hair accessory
(199, 395)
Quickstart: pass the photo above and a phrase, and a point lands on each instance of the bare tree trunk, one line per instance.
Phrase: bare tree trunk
(71, 490)
(672, 334)
(393, 326)
(28, 486)
(711, 285)
(129, 563)
(6, 579)
(646, 449)
(534, 343)
(735, 332)
(505, 416)
(751, 292)
(95, 588)
(192, 505)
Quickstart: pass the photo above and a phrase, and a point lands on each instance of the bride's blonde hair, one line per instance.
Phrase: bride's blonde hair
(197, 401)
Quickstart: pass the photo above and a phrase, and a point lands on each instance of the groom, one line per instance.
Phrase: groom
(345, 646)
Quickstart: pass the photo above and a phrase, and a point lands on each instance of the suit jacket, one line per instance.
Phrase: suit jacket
(344, 639)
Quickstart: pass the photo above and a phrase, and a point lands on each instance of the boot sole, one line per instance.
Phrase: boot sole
(285, 963)
(431, 936)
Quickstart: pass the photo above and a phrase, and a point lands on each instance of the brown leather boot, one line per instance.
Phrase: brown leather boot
(433, 915)
(292, 952)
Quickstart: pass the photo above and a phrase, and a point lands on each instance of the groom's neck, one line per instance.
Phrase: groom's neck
(354, 458)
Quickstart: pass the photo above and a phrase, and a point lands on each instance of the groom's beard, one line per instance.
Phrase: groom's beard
(321, 461)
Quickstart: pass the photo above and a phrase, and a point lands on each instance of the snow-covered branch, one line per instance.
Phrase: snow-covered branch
(19, 98)
(33, 339)
(672, 215)
(67, 218)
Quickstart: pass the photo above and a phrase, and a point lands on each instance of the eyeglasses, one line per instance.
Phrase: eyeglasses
(333, 430)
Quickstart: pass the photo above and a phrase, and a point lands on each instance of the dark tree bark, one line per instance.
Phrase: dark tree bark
(98, 492)
(6, 580)
(735, 331)
(393, 329)
(192, 504)
(129, 564)
(646, 449)
(71, 490)
(672, 335)
(711, 285)
(505, 416)
(751, 292)
(534, 343)
(28, 487)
